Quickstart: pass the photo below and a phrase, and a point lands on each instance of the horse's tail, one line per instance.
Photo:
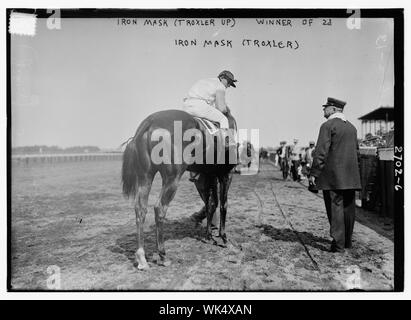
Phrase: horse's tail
(133, 162)
(129, 169)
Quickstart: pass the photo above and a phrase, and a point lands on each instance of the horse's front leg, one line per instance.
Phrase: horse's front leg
(199, 216)
(210, 204)
(225, 182)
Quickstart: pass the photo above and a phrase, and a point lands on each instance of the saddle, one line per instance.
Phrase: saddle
(212, 127)
(211, 131)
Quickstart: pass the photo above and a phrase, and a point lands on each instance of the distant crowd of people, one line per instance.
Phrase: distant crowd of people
(295, 160)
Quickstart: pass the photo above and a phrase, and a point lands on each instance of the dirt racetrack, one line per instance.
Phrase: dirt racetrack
(72, 217)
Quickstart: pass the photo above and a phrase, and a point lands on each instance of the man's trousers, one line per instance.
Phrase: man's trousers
(294, 170)
(340, 206)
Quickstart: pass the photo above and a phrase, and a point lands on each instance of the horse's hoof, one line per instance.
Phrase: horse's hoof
(141, 260)
(161, 261)
(222, 242)
(224, 238)
(209, 241)
(164, 262)
(143, 266)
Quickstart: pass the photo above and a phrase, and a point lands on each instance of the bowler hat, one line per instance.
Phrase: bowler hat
(335, 103)
(229, 76)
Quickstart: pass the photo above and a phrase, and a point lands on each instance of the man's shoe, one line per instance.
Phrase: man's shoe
(334, 249)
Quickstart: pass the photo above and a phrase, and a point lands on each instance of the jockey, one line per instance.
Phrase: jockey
(206, 99)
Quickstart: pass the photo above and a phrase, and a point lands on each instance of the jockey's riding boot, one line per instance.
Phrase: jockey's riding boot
(193, 176)
(199, 216)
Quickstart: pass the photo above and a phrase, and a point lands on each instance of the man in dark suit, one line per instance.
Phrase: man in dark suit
(335, 170)
(282, 154)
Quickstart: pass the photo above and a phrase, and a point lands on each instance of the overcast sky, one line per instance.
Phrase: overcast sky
(93, 81)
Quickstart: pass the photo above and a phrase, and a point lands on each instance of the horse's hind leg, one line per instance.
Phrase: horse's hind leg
(168, 191)
(140, 208)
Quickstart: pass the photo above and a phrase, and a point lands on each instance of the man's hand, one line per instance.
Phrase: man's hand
(311, 184)
(311, 180)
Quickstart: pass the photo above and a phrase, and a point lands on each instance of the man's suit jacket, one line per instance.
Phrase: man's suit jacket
(335, 158)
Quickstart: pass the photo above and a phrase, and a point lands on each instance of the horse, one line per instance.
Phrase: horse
(140, 166)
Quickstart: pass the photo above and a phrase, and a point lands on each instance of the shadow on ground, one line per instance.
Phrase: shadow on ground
(173, 230)
(296, 236)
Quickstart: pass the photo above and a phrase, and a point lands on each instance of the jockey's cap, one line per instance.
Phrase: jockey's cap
(229, 76)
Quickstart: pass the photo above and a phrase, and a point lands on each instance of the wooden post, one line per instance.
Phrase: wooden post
(362, 129)
(369, 126)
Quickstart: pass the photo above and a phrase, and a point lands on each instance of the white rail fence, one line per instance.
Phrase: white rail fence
(29, 159)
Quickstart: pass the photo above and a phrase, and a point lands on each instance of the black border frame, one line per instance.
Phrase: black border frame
(396, 13)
